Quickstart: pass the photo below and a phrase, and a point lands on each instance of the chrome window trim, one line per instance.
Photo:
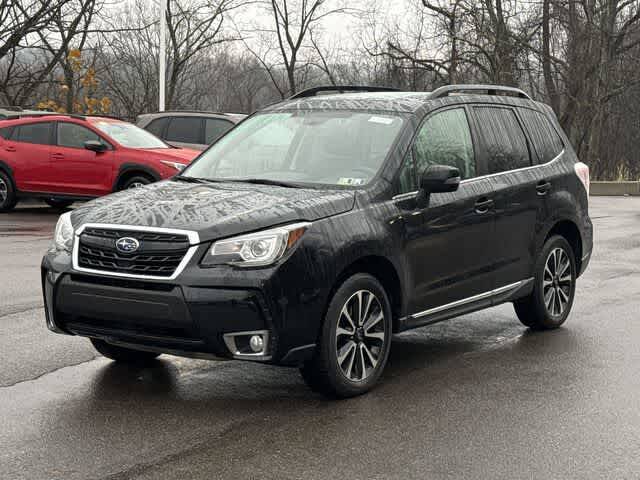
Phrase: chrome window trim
(464, 301)
(405, 196)
(194, 240)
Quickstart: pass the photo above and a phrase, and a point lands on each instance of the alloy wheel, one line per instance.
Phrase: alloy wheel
(3, 191)
(360, 335)
(556, 282)
(136, 185)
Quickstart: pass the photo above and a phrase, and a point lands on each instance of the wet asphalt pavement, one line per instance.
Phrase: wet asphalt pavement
(477, 397)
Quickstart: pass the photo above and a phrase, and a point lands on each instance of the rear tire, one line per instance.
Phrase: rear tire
(8, 197)
(121, 354)
(136, 182)
(355, 340)
(550, 302)
(58, 204)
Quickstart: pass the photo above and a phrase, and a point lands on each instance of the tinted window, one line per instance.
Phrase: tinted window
(546, 141)
(72, 135)
(184, 129)
(157, 126)
(214, 129)
(504, 139)
(6, 132)
(33, 133)
(445, 139)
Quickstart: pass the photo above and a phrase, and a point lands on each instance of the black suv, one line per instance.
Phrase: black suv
(320, 226)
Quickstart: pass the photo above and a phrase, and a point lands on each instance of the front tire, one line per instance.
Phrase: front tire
(136, 182)
(549, 304)
(121, 354)
(8, 197)
(355, 340)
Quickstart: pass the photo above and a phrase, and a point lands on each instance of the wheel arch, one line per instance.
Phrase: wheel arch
(8, 170)
(128, 170)
(381, 268)
(568, 229)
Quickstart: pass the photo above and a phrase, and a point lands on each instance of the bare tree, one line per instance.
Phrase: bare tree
(29, 65)
(20, 19)
(194, 27)
(292, 29)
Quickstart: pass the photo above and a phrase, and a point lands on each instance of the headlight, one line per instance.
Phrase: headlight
(178, 166)
(256, 249)
(63, 236)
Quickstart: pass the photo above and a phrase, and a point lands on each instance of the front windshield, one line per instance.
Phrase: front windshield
(325, 147)
(128, 135)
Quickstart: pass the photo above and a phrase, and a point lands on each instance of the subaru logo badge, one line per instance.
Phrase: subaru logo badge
(127, 244)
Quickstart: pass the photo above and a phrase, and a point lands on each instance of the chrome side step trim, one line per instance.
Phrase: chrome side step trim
(474, 298)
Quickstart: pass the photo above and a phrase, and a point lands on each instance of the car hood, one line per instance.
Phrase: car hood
(182, 155)
(213, 210)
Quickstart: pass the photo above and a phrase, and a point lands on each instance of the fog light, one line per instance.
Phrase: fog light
(256, 343)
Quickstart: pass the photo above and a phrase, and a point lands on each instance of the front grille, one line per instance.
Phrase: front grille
(141, 236)
(158, 254)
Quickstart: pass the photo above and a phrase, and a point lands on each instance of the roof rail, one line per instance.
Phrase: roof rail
(489, 89)
(206, 112)
(17, 115)
(77, 116)
(11, 108)
(312, 92)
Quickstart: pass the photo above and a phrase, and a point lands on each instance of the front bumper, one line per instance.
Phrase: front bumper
(196, 316)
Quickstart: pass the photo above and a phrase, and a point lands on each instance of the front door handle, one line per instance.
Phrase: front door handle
(543, 187)
(10, 148)
(483, 205)
(57, 156)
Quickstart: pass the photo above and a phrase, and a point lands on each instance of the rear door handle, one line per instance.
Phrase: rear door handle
(10, 148)
(543, 187)
(57, 155)
(483, 205)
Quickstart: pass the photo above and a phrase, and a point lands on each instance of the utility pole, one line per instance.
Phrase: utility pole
(163, 52)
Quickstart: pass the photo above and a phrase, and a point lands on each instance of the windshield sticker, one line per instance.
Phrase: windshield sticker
(350, 181)
(381, 120)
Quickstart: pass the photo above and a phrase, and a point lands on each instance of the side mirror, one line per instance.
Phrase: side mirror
(440, 178)
(95, 146)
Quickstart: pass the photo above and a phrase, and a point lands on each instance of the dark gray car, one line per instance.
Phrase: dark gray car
(189, 129)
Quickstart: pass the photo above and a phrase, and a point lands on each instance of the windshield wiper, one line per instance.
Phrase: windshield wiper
(266, 181)
(182, 178)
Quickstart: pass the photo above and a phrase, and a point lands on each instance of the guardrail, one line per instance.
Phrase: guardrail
(614, 188)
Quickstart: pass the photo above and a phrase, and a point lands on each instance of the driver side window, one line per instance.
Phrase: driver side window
(74, 136)
(445, 139)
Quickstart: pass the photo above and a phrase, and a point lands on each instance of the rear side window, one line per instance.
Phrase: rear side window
(214, 129)
(546, 141)
(184, 130)
(445, 139)
(74, 136)
(6, 132)
(157, 126)
(504, 139)
(33, 133)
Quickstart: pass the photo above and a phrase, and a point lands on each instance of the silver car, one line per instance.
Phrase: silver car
(16, 112)
(195, 130)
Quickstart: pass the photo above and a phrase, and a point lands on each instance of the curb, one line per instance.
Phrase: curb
(614, 188)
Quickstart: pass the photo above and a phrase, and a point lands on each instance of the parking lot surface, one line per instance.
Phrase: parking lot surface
(476, 397)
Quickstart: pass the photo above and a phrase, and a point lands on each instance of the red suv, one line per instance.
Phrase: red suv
(64, 158)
